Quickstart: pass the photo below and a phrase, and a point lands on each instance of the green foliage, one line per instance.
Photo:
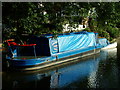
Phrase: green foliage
(103, 33)
(108, 12)
(108, 31)
(87, 29)
(114, 32)
(49, 17)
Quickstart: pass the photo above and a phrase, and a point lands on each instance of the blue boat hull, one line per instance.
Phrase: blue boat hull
(38, 63)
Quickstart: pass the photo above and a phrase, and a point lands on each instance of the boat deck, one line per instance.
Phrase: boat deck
(28, 57)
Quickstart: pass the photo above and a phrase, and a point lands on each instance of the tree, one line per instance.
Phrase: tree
(49, 17)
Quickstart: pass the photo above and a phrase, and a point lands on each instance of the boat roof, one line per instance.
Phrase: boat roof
(66, 34)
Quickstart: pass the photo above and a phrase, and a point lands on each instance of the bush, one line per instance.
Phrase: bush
(114, 32)
(103, 33)
(108, 32)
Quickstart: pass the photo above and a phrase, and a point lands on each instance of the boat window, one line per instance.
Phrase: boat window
(25, 51)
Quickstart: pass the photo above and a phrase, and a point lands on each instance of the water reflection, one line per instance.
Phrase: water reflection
(93, 72)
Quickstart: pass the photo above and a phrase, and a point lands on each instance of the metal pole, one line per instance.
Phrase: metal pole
(34, 51)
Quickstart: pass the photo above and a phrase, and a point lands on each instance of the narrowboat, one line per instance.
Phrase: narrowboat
(48, 50)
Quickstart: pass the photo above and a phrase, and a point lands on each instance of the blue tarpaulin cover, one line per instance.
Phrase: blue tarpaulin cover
(75, 41)
(64, 42)
(72, 41)
(103, 41)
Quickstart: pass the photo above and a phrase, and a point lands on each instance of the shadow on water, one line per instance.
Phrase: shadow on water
(97, 71)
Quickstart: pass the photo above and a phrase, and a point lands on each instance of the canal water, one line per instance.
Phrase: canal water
(96, 71)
